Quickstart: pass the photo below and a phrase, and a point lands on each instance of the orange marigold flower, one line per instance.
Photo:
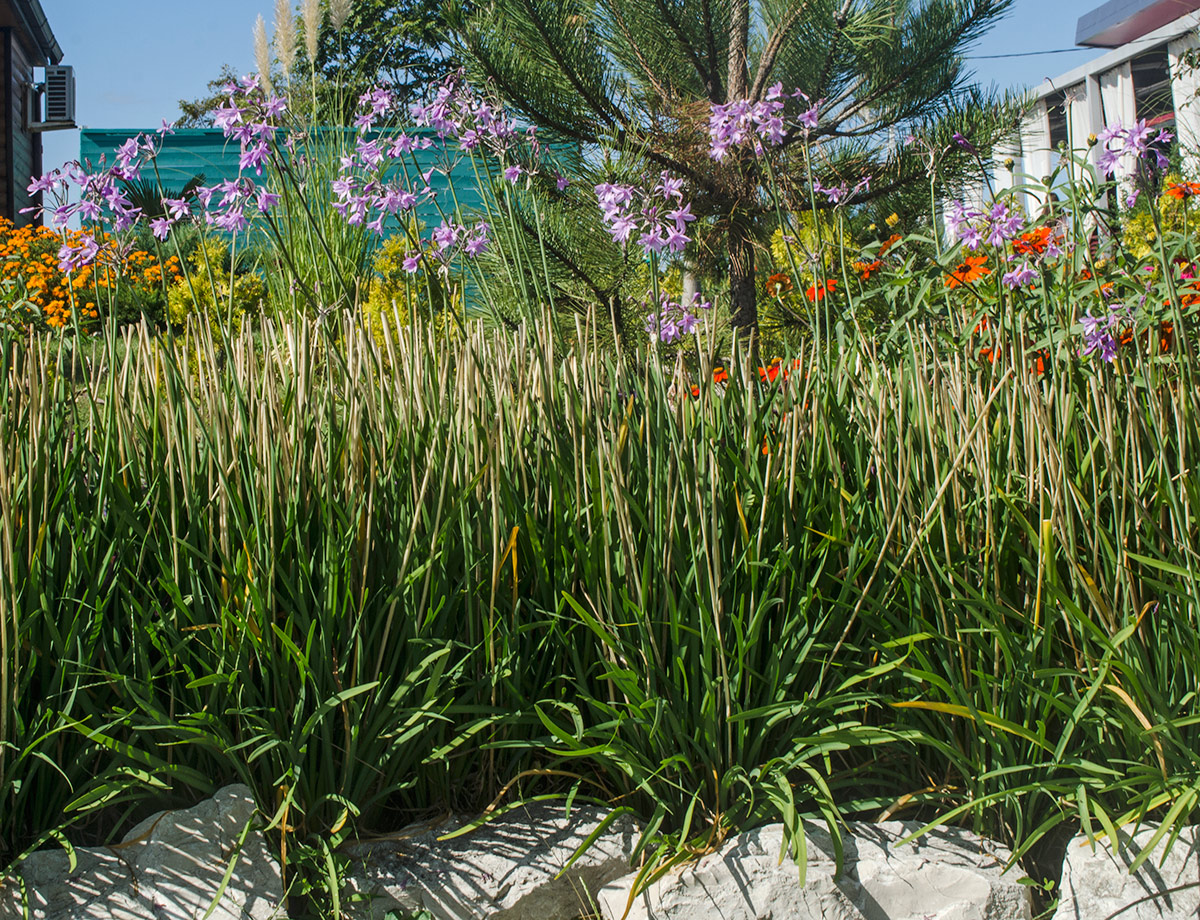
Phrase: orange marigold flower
(968, 272)
(720, 375)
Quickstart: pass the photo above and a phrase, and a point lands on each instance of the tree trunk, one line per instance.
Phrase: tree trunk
(739, 45)
(743, 305)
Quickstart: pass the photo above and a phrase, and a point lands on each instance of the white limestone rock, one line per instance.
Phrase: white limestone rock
(169, 867)
(1096, 883)
(948, 874)
(505, 869)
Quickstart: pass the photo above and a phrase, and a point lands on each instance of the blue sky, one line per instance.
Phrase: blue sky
(135, 59)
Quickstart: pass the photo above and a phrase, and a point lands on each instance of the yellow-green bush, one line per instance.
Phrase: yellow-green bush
(206, 290)
(394, 295)
(386, 305)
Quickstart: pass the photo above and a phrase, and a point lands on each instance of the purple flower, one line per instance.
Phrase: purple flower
(177, 207)
(160, 227)
(964, 143)
(411, 262)
(621, 227)
(46, 183)
(971, 236)
(267, 200)
(445, 236)
(628, 211)
(653, 240)
(669, 187)
(227, 116)
(73, 257)
(232, 221)
(671, 321)
(1098, 334)
(1023, 276)
(394, 200)
(370, 153)
(400, 146)
(682, 216)
(478, 240)
(254, 157)
(512, 173)
(1133, 143)
(561, 183)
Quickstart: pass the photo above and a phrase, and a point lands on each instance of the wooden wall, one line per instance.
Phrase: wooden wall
(22, 153)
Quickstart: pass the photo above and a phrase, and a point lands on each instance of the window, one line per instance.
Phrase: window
(1056, 109)
(1152, 88)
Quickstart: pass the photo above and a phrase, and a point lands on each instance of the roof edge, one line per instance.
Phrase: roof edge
(33, 17)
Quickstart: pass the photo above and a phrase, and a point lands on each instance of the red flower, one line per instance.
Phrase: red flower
(1035, 242)
(818, 292)
(769, 373)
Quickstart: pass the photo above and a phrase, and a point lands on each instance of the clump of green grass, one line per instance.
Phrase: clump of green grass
(373, 579)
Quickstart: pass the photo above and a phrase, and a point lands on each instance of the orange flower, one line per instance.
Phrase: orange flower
(867, 269)
(1181, 190)
(770, 372)
(1041, 361)
(720, 375)
(1035, 242)
(779, 284)
(818, 292)
(968, 272)
(888, 244)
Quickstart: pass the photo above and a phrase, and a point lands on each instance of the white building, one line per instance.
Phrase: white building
(1146, 75)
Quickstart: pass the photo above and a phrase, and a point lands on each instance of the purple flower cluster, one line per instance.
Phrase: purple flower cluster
(1021, 276)
(448, 240)
(362, 196)
(1131, 144)
(741, 122)
(843, 192)
(249, 115)
(673, 320)
(102, 202)
(658, 219)
(1099, 333)
(458, 112)
(994, 227)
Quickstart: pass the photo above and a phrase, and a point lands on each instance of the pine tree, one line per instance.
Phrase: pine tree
(642, 75)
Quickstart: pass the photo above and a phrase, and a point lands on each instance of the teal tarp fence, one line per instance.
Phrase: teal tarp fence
(191, 152)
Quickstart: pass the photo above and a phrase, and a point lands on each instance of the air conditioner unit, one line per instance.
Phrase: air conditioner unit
(57, 94)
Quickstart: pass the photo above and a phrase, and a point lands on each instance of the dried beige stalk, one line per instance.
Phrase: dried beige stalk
(262, 52)
(310, 13)
(339, 12)
(285, 36)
